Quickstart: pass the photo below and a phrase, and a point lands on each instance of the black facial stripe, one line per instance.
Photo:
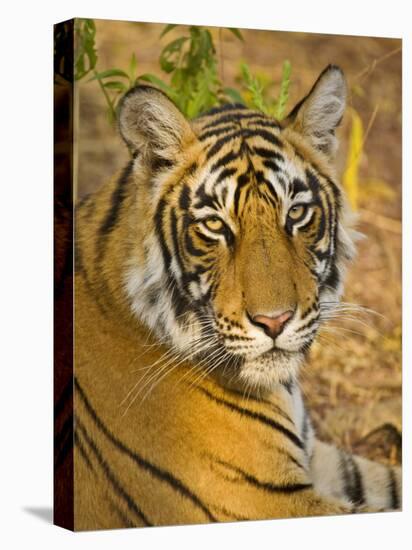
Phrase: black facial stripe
(297, 186)
(322, 225)
(229, 236)
(313, 306)
(184, 199)
(191, 248)
(331, 221)
(221, 142)
(242, 180)
(158, 164)
(289, 227)
(261, 180)
(268, 153)
(308, 324)
(330, 267)
(337, 195)
(223, 109)
(272, 165)
(232, 155)
(179, 302)
(215, 132)
(203, 199)
(320, 255)
(333, 278)
(225, 173)
(265, 123)
(305, 340)
(158, 219)
(314, 184)
(236, 337)
(191, 170)
(175, 239)
(234, 119)
(269, 137)
(268, 199)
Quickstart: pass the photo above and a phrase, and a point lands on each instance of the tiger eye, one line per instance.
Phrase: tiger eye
(297, 212)
(213, 223)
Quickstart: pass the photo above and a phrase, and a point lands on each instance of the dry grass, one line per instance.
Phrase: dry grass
(353, 380)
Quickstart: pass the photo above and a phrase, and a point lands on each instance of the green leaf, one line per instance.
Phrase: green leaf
(156, 80)
(167, 29)
(109, 72)
(133, 69)
(115, 85)
(171, 53)
(234, 95)
(255, 88)
(85, 53)
(200, 97)
(284, 90)
(236, 32)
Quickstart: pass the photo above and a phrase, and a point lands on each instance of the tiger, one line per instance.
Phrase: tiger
(203, 273)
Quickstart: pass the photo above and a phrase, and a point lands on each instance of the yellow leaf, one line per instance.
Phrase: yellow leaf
(351, 174)
(376, 188)
(358, 90)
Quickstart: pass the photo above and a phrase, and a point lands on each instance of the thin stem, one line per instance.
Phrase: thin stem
(106, 95)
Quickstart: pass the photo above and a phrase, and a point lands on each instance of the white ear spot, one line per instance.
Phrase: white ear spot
(321, 111)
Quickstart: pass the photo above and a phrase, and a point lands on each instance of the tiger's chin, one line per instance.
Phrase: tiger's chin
(266, 372)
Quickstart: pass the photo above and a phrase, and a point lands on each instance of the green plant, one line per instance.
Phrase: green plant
(189, 70)
(85, 62)
(190, 75)
(116, 82)
(191, 62)
(257, 96)
(86, 55)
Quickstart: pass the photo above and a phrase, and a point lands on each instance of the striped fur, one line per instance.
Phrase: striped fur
(186, 410)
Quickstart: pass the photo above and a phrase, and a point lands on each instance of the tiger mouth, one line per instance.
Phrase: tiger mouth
(275, 351)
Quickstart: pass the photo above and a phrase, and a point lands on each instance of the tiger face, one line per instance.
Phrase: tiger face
(241, 230)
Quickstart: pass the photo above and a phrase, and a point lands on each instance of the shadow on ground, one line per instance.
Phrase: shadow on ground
(42, 512)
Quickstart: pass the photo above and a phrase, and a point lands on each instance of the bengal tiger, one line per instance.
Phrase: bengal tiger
(204, 271)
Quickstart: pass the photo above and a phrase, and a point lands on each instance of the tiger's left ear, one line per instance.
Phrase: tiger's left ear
(152, 125)
(318, 114)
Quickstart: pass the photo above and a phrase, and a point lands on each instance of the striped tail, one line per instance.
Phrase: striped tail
(356, 480)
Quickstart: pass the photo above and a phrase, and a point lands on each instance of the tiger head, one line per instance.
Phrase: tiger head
(241, 233)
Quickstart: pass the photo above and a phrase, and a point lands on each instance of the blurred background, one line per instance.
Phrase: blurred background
(352, 383)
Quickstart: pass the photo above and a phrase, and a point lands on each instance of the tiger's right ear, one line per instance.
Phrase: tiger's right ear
(318, 114)
(152, 125)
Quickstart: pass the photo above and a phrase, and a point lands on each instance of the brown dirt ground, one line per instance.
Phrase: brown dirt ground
(353, 380)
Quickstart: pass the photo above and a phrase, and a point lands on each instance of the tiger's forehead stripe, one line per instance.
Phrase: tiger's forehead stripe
(255, 155)
(230, 113)
(238, 123)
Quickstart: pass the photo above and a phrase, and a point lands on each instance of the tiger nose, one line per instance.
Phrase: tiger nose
(272, 326)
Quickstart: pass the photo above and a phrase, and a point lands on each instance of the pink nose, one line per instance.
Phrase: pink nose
(272, 326)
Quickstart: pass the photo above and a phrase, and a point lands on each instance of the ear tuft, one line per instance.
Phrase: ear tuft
(152, 125)
(318, 114)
